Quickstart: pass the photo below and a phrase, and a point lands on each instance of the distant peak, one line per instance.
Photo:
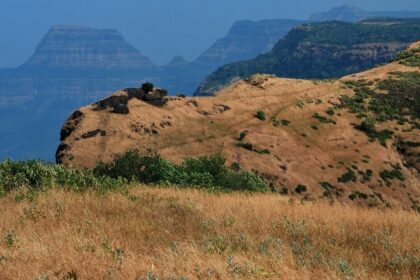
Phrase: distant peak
(346, 7)
(342, 13)
(177, 61)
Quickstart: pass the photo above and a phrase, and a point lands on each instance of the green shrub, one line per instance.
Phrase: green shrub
(37, 175)
(358, 195)
(301, 189)
(247, 146)
(207, 171)
(235, 166)
(242, 135)
(285, 122)
(261, 115)
(394, 173)
(368, 127)
(147, 87)
(323, 119)
(347, 177)
(277, 123)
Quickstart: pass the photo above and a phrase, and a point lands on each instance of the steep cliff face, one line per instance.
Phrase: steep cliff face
(81, 47)
(354, 140)
(323, 50)
(246, 40)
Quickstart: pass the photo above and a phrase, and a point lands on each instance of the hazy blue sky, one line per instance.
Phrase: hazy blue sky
(159, 28)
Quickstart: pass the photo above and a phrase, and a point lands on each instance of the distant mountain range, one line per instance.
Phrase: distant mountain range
(353, 14)
(73, 66)
(322, 51)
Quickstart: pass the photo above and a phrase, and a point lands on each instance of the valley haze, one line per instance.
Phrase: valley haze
(73, 66)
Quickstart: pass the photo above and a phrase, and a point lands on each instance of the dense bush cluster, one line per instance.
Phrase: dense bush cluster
(401, 103)
(409, 57)
(37, 175)
(206, 171)
(368, 127)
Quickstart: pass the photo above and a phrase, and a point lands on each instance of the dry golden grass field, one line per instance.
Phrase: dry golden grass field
(165, 233)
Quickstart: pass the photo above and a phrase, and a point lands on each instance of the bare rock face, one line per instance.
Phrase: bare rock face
(119, 102)
(81, 47)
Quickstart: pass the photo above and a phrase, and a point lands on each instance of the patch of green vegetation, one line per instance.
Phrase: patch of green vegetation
(401, 102)
(409, 57)
(358, 195)
(314, 127)
(395, 173)
(323, 119)
(366, 175)
(301, 189)
(252, 148)
(347, 177)
(208, 172)
(242, 135)
(368, 127)
(261, 115)
(235, 166)
(330, 112)
(284, 191)
(39, 176)
(327, 187)
(264, 151)
(246, 146)
(300, 104)
(404, 146)
(277, 123)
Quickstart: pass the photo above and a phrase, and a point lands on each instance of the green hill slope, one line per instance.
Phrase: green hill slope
(323, 50)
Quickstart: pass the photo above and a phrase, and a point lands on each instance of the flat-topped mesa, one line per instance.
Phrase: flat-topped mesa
(81, 47)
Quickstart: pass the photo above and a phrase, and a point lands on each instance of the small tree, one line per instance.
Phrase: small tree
(147, 87)
(261, 115)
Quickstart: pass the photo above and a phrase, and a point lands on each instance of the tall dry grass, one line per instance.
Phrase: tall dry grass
(186, 234)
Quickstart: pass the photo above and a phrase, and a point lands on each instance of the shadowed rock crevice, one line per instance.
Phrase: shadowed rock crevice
(71, 124)
(93, 133)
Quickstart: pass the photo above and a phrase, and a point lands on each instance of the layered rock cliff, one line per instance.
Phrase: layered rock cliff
(80, 47)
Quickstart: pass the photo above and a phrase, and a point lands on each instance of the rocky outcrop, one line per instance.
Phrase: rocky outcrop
(81, 47)
(118, 103)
